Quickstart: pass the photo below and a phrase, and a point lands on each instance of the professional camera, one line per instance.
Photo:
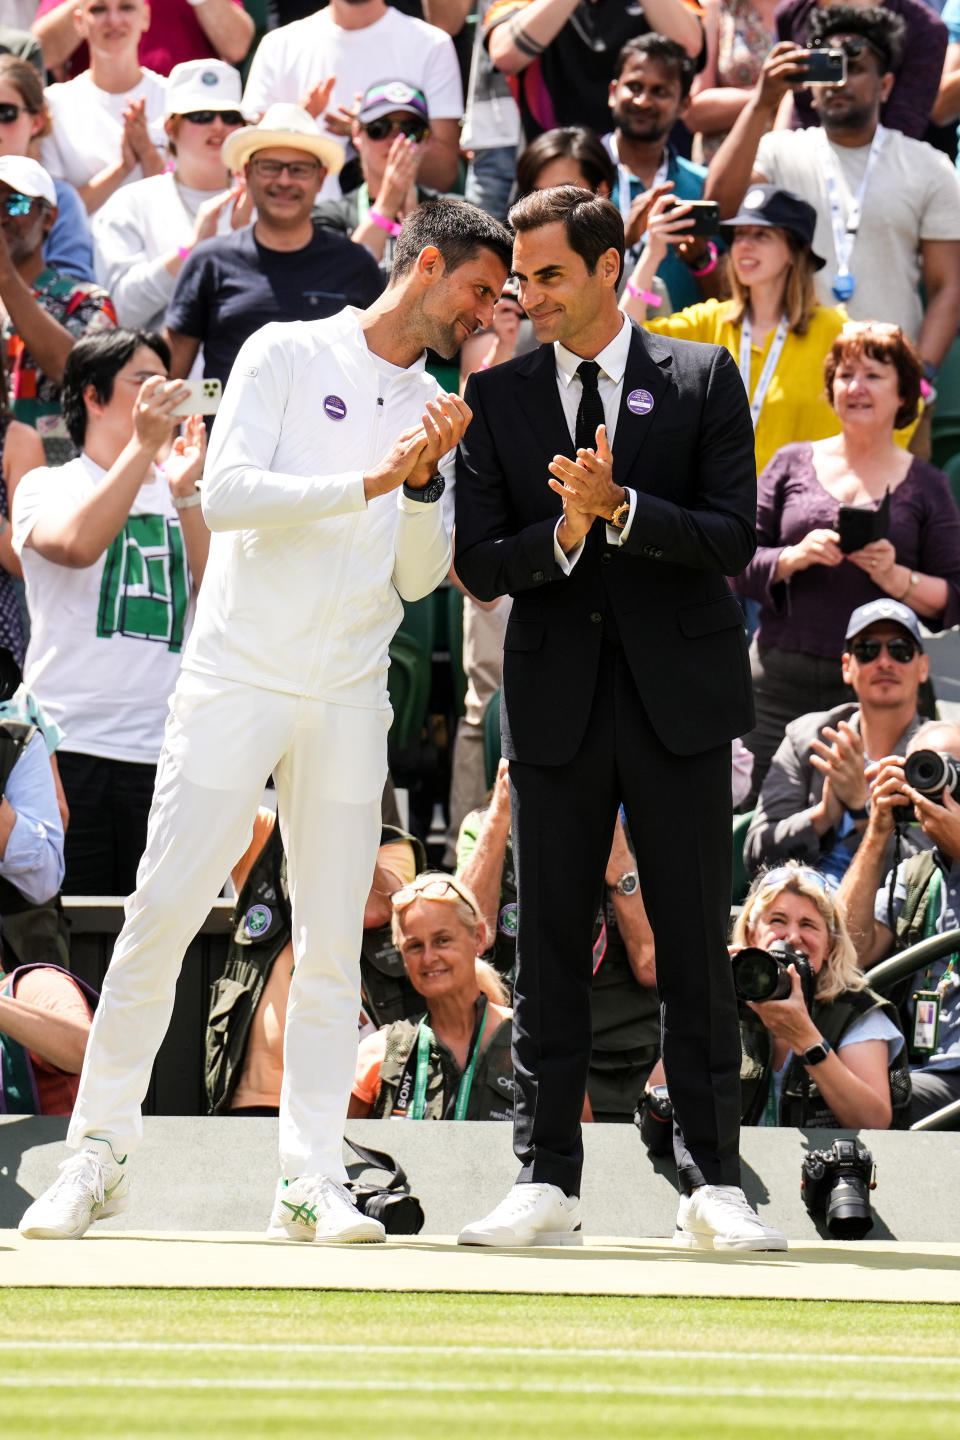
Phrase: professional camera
(837, 1183)
(762, 974)
(399, 1214)
(653, 1117)
(931, 772)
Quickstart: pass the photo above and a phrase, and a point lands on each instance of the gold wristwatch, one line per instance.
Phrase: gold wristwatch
(621, 515)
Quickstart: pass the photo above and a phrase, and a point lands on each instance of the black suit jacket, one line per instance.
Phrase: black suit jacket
(690, 459)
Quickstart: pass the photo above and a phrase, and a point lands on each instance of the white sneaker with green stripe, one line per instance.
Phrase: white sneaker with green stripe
(318, 1209)
(91, 1185)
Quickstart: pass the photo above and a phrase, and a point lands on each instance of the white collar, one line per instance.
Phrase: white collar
(612, 358)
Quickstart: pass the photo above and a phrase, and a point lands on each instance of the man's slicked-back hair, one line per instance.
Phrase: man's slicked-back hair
(456, 228)
(97, 361)
(593, 225)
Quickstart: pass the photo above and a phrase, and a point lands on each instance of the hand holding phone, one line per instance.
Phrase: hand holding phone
(203, 399)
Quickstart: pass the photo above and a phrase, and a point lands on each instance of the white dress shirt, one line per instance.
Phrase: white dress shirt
(612, 360)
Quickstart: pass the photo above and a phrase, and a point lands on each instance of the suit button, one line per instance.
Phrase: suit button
(595, 617)
(657, 554)
(606, 557)
(537, 576)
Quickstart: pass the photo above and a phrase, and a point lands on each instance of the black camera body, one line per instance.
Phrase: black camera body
(653, 1117)
(399, 1214)
(761, 975)
(931, 772)
(824, 67)
(836, 1184)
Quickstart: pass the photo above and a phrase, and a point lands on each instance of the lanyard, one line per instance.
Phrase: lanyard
(424, 1041)
(845, 231)
(625, 179)
(770, 365)
(930, 921)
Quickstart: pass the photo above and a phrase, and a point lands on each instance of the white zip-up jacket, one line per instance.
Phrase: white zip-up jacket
(302, 589)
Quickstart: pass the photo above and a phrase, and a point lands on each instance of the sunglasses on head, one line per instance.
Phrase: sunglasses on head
(17, 204)
(901, 648)
(207, 117)
(783, 873)
(9, 112)
(430, 888)
(383, 127)
(852, 46)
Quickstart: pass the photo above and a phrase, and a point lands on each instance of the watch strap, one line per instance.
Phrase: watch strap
(428, 493)
(817, 1053)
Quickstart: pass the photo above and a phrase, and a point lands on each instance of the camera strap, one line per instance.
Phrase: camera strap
(424, 1041)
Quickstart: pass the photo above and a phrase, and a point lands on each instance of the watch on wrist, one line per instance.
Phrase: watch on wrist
(429, 493)
(628, 884)
(859, 812)
(817, 1053)
(621, 515)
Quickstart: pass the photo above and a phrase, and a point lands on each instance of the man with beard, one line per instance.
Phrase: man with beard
(888, 208)
(322, 492)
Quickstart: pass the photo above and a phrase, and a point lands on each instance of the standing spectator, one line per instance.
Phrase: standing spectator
(739, 36)
(179, 30)
(349, 45)
(491, 128)
(108, 122)
(112, 549)
(888, 207)
(145, 231)
(21, 449)
(280, 268)
(46, 312)
(560, 54)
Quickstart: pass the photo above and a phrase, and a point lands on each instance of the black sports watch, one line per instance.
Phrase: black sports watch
(429, 493)
(817, 1053)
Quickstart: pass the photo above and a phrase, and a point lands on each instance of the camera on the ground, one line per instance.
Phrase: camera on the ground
(761, 975)
(398, 1214)
(931, 772)
(836, 1184)
(653, 1117)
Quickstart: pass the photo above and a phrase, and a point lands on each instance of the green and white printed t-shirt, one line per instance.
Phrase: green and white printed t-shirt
(105, 641)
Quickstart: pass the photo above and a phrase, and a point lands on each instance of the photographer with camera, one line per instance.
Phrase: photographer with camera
(917, 899)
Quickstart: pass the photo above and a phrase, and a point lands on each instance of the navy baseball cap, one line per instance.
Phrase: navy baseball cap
(770, 206)
(875, 610)
(388, 96)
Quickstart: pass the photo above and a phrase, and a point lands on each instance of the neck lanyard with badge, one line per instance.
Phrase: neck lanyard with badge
(770, 365)
(625, 177)
(845, 231)
(926, 1018)
(424, 1041)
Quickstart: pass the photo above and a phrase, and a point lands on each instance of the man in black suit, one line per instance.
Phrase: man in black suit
(625, 678)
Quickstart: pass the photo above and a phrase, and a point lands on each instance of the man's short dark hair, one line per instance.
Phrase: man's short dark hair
(880, 27)
(665, 52)
(593, 224)
(457, 229)
(97, 361)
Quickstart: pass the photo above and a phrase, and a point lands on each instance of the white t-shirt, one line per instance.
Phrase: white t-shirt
(88, 126)
(290, 60)
(105, 641)
(913, 195)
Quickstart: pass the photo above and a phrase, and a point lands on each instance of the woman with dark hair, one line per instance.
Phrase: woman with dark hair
(21, 449)
(808, 577)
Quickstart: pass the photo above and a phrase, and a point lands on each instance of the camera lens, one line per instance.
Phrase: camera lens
(758, 975)
(848, 1208)
(928, 771)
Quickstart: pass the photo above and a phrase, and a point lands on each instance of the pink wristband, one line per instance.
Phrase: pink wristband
(378, 218)
(184, 250)
(647, 296)
(713, 256)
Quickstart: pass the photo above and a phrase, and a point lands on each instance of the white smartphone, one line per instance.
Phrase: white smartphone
(204, 398)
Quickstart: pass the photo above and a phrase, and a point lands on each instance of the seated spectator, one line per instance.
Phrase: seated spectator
(560, 57)
(805, 578)
(455, 1062)
(179, 30)
(46, 311)
(21, 449)
(389, 134)
(280, 268)
(248, 1004)
(918, 899)
(68, 246)
(841, 1063)
(739, 35)
(814, 802)
(914, 90)
(774, 317)
(108, 122)
(145, 231)
(888, 207)
(112, 549)
(327, 62)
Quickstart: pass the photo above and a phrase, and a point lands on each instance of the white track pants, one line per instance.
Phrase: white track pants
(329, 763)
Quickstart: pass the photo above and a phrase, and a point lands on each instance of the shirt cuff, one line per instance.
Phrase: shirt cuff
(566, 560)
(619, 537)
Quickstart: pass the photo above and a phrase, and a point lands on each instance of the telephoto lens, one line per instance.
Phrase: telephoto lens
(931, 772)
(836, 1184)
(762, 974)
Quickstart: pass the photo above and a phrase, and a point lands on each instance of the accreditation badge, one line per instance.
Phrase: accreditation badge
(926, 1022)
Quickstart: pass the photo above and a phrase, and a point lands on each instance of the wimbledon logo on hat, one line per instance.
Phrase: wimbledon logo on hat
(208, 78)
(753, 200)
(398, 92)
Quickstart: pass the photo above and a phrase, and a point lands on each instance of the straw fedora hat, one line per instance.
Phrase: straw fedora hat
(283, 126)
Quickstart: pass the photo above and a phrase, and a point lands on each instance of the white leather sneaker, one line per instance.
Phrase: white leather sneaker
(318, 1209)
(530, 1215)
(91, 1185)
(719, 1217)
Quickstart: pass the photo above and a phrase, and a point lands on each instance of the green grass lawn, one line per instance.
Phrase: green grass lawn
(125, 1363)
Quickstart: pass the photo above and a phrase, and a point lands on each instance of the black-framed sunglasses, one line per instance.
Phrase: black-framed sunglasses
(207, 117)
(384, 127)
(17, 204)
(901, 648)
(9, 112)
(852, 46)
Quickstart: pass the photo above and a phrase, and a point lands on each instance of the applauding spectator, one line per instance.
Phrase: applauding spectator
(144, 233)
(179, 30)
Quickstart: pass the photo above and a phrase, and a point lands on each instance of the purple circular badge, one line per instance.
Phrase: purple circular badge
(334, 407)
(640, 402)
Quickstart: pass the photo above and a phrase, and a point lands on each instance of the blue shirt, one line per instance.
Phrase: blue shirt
(69, 246)
(33, 861)
(950, 15)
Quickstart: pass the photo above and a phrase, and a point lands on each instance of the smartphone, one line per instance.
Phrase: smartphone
(704, 216)
(824, 67)
(204, 398)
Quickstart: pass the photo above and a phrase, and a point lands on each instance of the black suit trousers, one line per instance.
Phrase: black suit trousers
(678, 809)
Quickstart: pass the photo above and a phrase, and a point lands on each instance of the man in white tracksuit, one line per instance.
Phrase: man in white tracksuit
(322, 423)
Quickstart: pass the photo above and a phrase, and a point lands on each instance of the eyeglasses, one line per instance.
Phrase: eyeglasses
(383, 127)
(868, 327)
(17, 204)
(430, 887)
(298, 170)
(205, 117)
(9, 112)
(783, 873)
(851, 45)
(901, 648)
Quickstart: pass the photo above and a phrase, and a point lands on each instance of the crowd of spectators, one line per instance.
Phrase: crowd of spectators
(173, 178)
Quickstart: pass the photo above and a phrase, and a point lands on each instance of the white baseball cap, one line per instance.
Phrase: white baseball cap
(27, 178)
(202, 85)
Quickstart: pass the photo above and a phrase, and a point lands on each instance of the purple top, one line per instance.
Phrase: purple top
(918, 79)
(809, 612)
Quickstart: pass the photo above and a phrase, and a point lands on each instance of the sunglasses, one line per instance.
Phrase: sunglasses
(792, 872)
(900, 648)
(384, 127)
(205, 117)
(9, 112)
(429, 888)
(17, 204)
(304, 170)
(851, 45)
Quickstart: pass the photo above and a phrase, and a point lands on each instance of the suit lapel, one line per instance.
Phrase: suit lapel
(539, 399)
(646, 380)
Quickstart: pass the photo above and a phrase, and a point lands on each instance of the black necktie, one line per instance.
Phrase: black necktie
(590, 413)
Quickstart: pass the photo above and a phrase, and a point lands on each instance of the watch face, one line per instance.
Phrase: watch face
(628, 884)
